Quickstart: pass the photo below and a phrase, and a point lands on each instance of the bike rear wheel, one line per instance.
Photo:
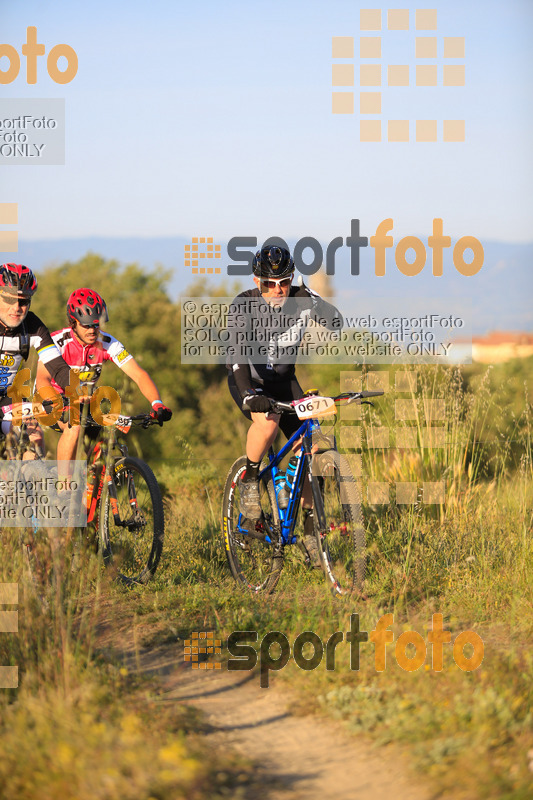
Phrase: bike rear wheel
(131, 535)
(341, 542)
(254, 562)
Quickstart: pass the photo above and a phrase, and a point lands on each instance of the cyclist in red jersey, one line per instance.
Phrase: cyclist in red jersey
(21, 329)
(85, 348)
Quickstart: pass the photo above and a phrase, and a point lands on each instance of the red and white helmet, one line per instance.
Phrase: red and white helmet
(86, 307)
(17, 280)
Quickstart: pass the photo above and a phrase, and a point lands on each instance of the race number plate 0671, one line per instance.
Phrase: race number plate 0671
(311, 407)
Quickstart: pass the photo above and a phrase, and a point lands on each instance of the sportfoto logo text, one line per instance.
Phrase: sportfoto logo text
(245, 656)
(410, 253)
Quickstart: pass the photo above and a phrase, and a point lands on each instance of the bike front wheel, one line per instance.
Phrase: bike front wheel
(131, 524)
(341, 538)
(254, 562)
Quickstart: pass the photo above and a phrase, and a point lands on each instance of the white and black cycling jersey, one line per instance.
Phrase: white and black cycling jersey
(264, 339)
(15, 345)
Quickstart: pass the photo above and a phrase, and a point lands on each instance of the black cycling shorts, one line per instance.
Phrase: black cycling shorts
(284, 390)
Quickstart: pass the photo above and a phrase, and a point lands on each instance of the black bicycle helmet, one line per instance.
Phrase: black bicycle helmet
(273, 262)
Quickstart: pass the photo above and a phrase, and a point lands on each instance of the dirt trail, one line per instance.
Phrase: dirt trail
(296, 756)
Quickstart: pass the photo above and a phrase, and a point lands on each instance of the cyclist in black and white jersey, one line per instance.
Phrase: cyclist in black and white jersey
(21, 329)
(267, 324)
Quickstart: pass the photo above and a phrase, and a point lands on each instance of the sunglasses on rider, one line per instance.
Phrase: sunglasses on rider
(271, 283)
(11, 300)
(93, 326)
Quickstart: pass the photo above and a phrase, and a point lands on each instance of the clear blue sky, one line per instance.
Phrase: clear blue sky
(215, 118)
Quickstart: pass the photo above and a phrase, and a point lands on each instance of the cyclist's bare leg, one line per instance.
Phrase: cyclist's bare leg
(261, 434)
(36, 436)
(67, 444)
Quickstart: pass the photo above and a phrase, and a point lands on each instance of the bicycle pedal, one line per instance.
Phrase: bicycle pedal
(250, 526)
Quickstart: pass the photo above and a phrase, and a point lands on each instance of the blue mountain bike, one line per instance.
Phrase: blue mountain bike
(255, 548)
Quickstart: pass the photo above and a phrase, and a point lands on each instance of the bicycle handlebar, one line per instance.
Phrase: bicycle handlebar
(279, 406)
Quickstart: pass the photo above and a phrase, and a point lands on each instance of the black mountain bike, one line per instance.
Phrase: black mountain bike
(124, 501)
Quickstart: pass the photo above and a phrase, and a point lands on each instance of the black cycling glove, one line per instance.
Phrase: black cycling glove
(256, 403)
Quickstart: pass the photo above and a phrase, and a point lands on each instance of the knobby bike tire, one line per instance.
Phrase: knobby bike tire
(254, 563)
(134, 546)
(342, 545)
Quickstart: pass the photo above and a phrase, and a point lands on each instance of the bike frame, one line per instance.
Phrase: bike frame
(287, 516)
(104, 473)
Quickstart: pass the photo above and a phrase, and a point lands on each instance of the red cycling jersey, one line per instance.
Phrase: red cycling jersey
(87, 360)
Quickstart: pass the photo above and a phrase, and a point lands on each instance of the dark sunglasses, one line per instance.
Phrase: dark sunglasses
(10, 300)
(283, 282)
(93, 326)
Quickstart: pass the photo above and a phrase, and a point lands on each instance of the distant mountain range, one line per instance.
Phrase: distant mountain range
(500, 294)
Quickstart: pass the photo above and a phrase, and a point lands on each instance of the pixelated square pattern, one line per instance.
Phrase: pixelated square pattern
(398, 75)
(9, 241)
(351, 381)
(370, 75)
(342, 46)
(370, 103)
(342, 102)
(9, 677)
(434, 409)
(342, 75)
(378, 493)
(426, 19)
(406, 492)
(194, 255)
(398, 130)
(398, 19)
(202, 643)
(453, 75)
(9, 593)
(370, 47)
(9, 621)
(454, 47)
(370, 130)
(434, 493)
(370, 19)
(453, 130)
(377, 381)
(9, 214)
